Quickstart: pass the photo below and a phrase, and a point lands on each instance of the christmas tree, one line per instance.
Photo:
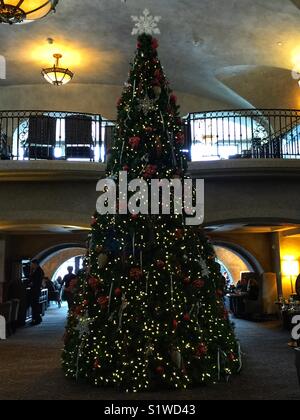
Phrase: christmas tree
(149, 307)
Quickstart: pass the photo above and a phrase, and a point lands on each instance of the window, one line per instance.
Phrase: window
(216, 136)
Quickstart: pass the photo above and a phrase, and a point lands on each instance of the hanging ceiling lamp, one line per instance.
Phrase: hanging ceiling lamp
(57, 75)
(21, 11)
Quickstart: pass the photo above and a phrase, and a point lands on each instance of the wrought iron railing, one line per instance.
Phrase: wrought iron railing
(238, 134)
(35, 135)
(250, 134)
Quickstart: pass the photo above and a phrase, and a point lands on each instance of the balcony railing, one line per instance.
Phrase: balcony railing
(238, 134)
(35, 135)
(248, 134)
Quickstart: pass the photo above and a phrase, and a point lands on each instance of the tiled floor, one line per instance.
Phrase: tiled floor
(30, 368)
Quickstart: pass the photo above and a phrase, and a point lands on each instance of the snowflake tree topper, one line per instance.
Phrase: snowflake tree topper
(146, 24)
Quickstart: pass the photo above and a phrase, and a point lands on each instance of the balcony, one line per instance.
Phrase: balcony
(51, 163)
(209, 136)
(54, 136)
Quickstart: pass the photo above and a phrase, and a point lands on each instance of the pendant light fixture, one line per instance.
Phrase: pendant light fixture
(22, 11)
(57, 75)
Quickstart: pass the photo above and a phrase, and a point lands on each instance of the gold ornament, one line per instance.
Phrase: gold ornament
(102, 260)
(157, 91)
(158, 146)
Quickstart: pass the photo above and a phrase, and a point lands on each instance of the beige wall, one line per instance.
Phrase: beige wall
(232, 262)
(289, 249)
(29, 246)
(265, 87)
(98, 99)
(258, 245)
(19, 247)
(50, 265)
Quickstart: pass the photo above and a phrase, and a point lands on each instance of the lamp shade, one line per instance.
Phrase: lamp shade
(290, 267)
(57, 75)
(18, 11)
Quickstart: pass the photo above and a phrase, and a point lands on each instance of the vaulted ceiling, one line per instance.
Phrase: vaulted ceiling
(239, 52)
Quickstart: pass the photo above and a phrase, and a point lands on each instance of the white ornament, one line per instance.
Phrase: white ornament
(177, 358)
(204, 269)
(83, 326)
(146, 105)
(146, 24)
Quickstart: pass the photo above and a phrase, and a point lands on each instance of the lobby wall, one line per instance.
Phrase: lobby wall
(51, 264)
(289, 250)
(98, 99)
(257, 244)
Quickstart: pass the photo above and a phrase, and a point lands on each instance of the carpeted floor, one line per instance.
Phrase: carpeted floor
(30, 368)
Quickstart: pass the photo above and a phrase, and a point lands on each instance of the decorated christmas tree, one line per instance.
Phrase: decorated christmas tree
(149, 307)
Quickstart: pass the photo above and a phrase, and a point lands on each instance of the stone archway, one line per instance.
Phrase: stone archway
(52, 258)
(236, 259)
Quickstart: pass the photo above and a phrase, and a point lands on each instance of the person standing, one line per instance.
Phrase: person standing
(35, 281)
(67, 283)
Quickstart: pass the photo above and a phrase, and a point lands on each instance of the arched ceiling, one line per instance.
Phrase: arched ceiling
(204, 45)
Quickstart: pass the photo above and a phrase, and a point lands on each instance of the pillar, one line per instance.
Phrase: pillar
(2, 268)
(276, 260)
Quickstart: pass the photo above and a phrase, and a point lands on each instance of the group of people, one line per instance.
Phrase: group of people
(58, 290)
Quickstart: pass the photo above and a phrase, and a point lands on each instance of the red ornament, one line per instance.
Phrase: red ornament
(201, 350)
(180, 139)
(187, 317)
(158, 75)
(139, 45)
(118, 292)
(77, 310)
(126, 168)
(136, 273)
(149, 129)
(219, 292)
(154, 44)
(199, 284)
(93, 282)
(119, 102)
(94, 221)
(175, 324)
(150, 171)
(103, 301)
(173, 99)
(179, 233)
(97, 364)
(160, 264)
(160, 370)
(187, 281)
(231, 357)
(179, 121)
(134, 142)
(134, 216)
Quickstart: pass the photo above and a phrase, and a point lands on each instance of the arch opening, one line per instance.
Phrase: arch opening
(235, 262)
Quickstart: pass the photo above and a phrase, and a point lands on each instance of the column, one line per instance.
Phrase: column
(276, 260)
(2, 268)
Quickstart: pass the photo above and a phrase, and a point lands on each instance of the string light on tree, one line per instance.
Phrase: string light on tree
(152, 291)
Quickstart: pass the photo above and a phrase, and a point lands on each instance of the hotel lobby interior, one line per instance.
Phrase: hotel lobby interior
(153, 309)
